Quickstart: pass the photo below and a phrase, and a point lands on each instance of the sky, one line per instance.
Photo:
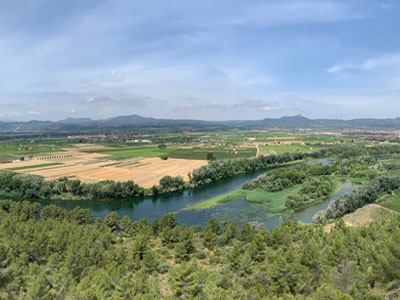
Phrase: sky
(210, 60)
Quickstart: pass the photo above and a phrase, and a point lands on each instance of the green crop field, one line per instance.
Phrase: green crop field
(6, 158)
(139, 151)
(35, 166)
(219, 153)
(391, 201)
(21, 149)
(284, 148)
(182, 153)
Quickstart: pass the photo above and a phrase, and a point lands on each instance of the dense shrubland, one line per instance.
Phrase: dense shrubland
(219, 169)
(36, 187)
(348, 151)
(32, 186)
(282, 178)
(51, 253)
(368, 193)
(312, 190)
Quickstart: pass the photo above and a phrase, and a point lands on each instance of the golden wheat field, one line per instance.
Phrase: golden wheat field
(92, 167)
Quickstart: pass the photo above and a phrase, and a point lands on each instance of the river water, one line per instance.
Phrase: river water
(238, 209)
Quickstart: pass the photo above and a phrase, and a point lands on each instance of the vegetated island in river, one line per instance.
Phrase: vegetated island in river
(275, 201)
(296, 187)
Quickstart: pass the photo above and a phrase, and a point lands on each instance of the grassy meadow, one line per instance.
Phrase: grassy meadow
(391, 201)
(284, 148)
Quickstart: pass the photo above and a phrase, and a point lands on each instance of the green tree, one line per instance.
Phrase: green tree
(246, 234)
(209, 239)
(231, 231)
(234, 257)
(213, 225)
(111, 220)
(256, 248)
(326, 292)
(150, 260)
(140, 246)
(168, 220)
(210, 156)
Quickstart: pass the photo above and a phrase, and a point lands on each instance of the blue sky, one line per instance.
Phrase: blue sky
(213, 60)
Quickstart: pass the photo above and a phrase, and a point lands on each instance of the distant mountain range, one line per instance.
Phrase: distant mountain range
(136, 121)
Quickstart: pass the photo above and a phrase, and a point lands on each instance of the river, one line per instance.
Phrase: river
(238, 209)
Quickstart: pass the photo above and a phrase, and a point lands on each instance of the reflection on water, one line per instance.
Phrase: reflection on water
(323, 162)
(238, 209)
(242, 211)
(306, 214)
(155, 207)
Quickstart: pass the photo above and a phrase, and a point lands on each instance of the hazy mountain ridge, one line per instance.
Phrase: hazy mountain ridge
(134, 121)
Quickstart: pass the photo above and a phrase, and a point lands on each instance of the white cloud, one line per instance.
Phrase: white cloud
(269, 108)
(339, 67)
(384, 61)
(32, 112)
(116, 101)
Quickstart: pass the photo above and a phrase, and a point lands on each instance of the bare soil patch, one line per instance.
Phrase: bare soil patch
(365, 215)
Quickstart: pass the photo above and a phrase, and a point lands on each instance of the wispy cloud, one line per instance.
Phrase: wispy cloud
(389, 60)
(388, 4)
(113, 101)
(199, 59)
(258, 105)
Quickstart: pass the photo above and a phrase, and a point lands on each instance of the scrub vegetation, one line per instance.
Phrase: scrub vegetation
(51, 253)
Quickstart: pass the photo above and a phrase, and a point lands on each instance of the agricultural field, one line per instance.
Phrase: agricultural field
(273, 149)
(4, 158)
(93, 167)
(34, 166)
(138, 157)
(24, 147)
(138, 151)
(391, 201)
(200, 153)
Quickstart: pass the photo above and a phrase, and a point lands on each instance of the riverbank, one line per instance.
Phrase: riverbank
(274, 201)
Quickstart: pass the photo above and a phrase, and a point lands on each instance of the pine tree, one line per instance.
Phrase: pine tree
(213, 225)
(140, 246)
(231, 231)
(111, 220)
(234, 257)
(257, 248)
(246, 234)
(209, 239)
